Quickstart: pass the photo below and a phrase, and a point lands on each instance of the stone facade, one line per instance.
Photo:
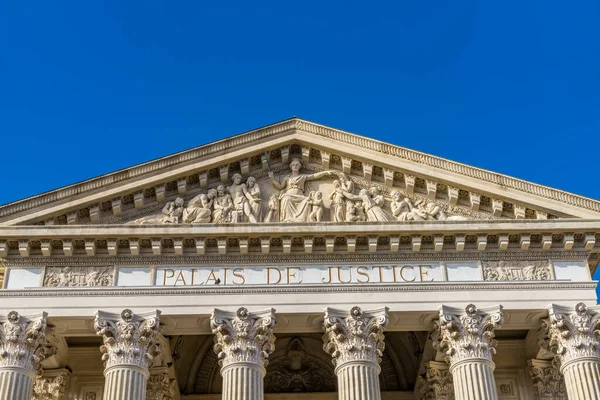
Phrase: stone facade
(295, 262)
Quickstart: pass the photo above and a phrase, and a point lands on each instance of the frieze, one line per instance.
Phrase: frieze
(289, 198)
(257, 259)
(534, 270)
(71, 276)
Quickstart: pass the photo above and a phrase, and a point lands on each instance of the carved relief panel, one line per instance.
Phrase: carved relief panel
(537, 270)
(286, 194)
(79, 276)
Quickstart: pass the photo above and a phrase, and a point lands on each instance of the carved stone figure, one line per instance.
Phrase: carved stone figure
(170, 214)
(273, 213)
(401, 207)
(316, 202)
(294, 204)
(351, 212)
(199, 209)
(372, 201)
(254, 197)
(223, 206)
(242, 211)
(337, 202)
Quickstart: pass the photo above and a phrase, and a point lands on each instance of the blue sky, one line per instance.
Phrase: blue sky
(91, 87)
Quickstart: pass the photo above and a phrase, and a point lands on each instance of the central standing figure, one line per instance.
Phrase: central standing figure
(294, 205)
(239, 194)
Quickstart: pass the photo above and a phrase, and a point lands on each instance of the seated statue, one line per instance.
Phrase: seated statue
(199, 209)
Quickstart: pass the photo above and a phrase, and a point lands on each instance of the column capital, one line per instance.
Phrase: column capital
(547, 380)
(437, 384)
(572, 333)
(160, 385)
(51, 386)
(129, 339)
(23, 341)
(469, 333)
(356, 335)
(243, 337)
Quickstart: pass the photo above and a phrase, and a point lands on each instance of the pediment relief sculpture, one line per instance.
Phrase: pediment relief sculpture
(296, 196)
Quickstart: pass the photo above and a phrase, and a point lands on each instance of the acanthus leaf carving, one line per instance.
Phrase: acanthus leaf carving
(128, 338)
(437, 384)
(572, 334)
(355, 336)
(159, 386)
(547, 380)
(243, 336)
(468, 334)
(51, 387)
(23, 341)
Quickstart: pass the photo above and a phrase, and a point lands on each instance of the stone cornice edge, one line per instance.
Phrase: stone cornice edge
(312, 128)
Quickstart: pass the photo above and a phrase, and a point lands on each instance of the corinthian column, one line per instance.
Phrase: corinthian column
(437, 382)
(467, 339)
(160, 385)
(547, 380)
(129, 348)
(51, 386)
(22, 348)
(355, 340)
(573, 335)
(243, 343)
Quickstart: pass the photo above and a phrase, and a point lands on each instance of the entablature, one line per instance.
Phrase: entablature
(472, 239)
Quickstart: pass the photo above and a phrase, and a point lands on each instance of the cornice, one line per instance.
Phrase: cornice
(295, 259)
(293, 125)
(322, 228)
(259, 289)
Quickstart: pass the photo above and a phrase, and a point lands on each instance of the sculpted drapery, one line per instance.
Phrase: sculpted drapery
(294, 204)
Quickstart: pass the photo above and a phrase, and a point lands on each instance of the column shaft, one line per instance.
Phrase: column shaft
(125, 383)
(582, 379)
(358, 381)
(243, 382)
(16, 384)
(474, 380)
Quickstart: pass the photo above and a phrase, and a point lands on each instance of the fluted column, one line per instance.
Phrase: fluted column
(572, 334)
(22, 348)
(243, 343)
(467, 340)
(547, 380)
(129, 347)
(51, 386)
(355, 340)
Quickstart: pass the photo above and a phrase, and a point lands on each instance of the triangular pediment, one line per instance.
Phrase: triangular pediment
(370, 172)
